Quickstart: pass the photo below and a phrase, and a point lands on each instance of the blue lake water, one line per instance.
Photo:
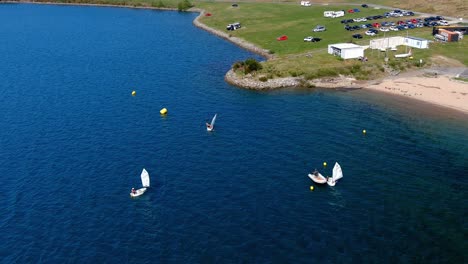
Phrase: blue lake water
(73, 141)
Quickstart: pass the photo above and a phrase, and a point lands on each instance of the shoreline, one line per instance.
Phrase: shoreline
(235, 40)
(90, 4)
(441, 90)
(445, 92)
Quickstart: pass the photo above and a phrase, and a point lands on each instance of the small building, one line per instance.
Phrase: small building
(386, 43)
(393, 42)
(414, 42)
(346, 50)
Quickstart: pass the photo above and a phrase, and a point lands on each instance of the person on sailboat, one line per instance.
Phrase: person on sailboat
(315, 172)
(133, 191)
(208, 125)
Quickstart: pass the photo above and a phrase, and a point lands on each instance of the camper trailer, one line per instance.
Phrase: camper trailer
(305, 3)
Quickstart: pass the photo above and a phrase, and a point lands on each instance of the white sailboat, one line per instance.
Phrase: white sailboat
(145, 181)
(317, 177)
(337, 174)
(210, 127)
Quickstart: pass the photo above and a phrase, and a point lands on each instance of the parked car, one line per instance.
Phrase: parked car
(364, 5)
(233, 26)
(281, 38)
(319, 28)
(393, 28)
(372, 32)
(312, 39)
(384, 29)
(443, 23)
(351, 11)
(357, 36)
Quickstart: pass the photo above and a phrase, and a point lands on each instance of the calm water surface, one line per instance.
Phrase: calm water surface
(73, 141)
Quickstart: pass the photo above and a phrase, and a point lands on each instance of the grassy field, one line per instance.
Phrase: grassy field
(264, 22)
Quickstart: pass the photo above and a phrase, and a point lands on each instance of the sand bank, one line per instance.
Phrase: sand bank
(441, 90)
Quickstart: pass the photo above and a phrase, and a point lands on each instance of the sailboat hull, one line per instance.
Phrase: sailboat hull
(331, 182)
(318, 179)
(138, 192)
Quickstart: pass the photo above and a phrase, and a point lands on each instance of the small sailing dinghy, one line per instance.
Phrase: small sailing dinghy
(317, 177)
(210, 127)
(145, 181)
(337, 174)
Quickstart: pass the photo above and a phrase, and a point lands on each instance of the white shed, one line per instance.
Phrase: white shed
(414, 42)
(346, 50)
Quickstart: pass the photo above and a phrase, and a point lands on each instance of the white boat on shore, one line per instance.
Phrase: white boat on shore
(145, 181)
(317, 177)
(337, 174)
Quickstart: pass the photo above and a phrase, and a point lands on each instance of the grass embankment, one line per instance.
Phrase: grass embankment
(263, 23)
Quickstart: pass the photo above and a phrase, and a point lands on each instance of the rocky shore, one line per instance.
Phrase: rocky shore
(253, 82)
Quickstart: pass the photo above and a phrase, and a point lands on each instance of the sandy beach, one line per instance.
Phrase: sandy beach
(441, 90)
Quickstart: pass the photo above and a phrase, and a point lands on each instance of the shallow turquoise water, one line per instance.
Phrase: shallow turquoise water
(73, 142)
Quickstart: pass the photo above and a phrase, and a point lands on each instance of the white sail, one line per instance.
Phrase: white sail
(145, 180)
(337, 172)
(213, 120)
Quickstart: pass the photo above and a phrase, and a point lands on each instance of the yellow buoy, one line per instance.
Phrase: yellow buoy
(364, 131)
(133, 93)
(324, 164)
(163, 111)
(311, 188)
